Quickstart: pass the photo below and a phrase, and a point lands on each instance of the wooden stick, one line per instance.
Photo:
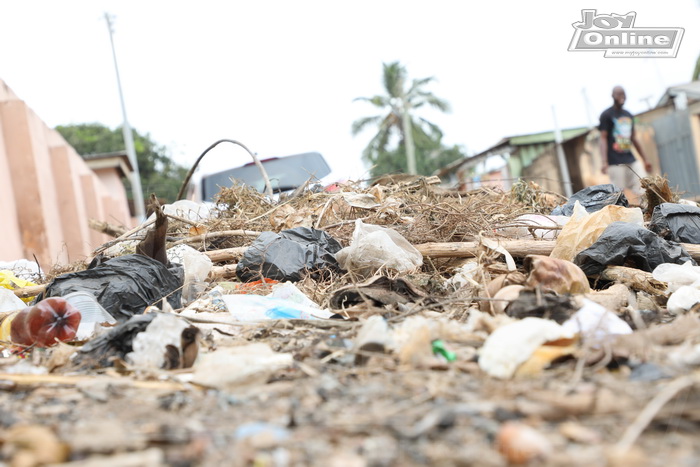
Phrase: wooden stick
(222, 272)
(31, 291)
(517, 248)
(636, 279)
(226, 254)
(122, 237)
(106, 228)
(223, 233)
(646, 416)
(65, 380)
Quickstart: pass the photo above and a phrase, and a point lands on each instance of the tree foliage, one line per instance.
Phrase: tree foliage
(159, 173)
(403, 98)
(429, 159)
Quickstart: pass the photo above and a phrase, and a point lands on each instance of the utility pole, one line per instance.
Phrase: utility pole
(588, 107)
(128, 137)
(408, 137)
(561, 157)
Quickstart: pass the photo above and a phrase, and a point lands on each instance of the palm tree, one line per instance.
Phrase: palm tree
(400, 101)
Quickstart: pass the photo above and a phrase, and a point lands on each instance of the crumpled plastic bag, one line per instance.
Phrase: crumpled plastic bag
(124, 286)
(289, 255)
(374, 247)
(676, 276)
(623, 243)
(593, 198)
(677, 222)
(584, 229)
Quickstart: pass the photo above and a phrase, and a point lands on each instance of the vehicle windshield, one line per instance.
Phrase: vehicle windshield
(285, 173)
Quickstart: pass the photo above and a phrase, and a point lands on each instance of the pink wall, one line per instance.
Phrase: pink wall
(47, 192)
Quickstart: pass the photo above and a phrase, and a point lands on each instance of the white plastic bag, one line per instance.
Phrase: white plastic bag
(374, 247)
(594, 321)
(677, 275)
(683, 299)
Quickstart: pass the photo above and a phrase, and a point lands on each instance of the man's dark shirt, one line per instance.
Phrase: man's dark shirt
(619, 124)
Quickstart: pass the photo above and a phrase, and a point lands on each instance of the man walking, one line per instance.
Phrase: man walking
(616, 140)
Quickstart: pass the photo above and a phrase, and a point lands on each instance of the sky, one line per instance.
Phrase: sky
(281, 76)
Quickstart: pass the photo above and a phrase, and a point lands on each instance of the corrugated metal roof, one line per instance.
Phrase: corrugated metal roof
(546, 136)
(692, 91)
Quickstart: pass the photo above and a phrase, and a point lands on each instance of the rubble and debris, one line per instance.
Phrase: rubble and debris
(480, 330)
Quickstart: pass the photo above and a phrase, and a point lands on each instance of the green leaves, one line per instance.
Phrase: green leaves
(159, 174)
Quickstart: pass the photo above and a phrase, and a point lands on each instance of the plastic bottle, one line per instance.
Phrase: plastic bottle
(42, 324)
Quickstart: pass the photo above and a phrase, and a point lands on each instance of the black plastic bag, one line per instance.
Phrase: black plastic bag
(677, 222)
(124, 285)
(625, 244)
(593, 198)
(288, 255)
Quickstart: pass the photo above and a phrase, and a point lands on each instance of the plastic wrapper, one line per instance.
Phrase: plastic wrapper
(289, 255)
(9, 301)
(196, 266)
(124, 286)
(251, 308)
(9, 280)
(628, 244)
(511, 345)
(149, 346)
(594, 321)
(113, 344)
(677, 222)
(593, 198)
(584, 229)
(374, 247)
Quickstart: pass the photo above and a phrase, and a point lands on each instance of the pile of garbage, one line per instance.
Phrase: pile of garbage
(397, 324)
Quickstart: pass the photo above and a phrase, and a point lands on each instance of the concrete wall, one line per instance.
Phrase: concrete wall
(47, 192)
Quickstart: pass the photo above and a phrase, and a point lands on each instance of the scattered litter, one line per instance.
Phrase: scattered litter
(677, 222)
(457, 325)
(512, 344)
(595, 322)
(49, 321)
(623, 243)
(374, 247)
(9, 281)
(556, 275)
(289, 255)
(9, 301)
(124, 285)
(232, 367)
(584, 229)
(251, 308)
(593, 198)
